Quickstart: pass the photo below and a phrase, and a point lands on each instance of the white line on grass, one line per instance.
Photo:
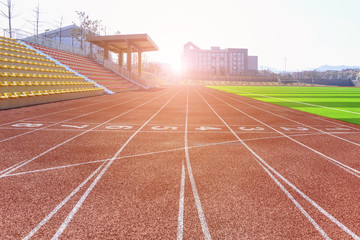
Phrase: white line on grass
(314, 105)
(345, 167)
(93, 184)
(287, 109)
(260, 160)
(313, 203)
(343, 139)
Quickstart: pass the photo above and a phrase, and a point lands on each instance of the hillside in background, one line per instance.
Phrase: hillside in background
(335, 68)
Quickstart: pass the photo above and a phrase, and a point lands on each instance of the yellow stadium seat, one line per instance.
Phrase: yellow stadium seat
(3, 97)
(49, 92)
(19, 94)
(29, 94)
(10, 95)
(36, 93)
(3, 84)
(8, 83)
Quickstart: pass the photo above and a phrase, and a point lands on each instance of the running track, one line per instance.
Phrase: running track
(180, 162)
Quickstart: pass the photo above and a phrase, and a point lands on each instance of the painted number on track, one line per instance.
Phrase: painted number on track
(252, 129)
(163, 128)
(31, 125)
(119, 127)
(295, 128)
(74, 126)
(207, 128)
(338, 129)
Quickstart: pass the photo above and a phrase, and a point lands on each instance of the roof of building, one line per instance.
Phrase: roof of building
(119, 43)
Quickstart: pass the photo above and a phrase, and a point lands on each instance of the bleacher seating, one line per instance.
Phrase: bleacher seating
(89, 68)
(28, 78)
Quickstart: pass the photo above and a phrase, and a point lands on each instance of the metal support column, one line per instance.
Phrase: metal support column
(139, 63)
(129, 58)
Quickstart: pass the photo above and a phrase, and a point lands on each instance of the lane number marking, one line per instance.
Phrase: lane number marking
(252, 129)
(164, 128)
(74, 126)
(207, 128)
(119, 127)
(295, 128)
(31, 125)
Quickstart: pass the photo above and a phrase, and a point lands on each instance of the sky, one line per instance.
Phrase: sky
(296, 35)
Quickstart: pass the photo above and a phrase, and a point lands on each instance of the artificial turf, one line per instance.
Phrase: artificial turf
(342, 103)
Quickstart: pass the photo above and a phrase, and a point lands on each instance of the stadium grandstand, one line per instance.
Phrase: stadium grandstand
(90, 68)
(29, 77)
(36, 70)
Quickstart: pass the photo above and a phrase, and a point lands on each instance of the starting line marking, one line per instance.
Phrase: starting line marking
(171, 128)
(73, 126)
(196, 145)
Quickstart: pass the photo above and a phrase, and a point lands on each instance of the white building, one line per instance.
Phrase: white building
(216, 61)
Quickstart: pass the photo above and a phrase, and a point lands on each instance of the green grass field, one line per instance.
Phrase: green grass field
(340, 103)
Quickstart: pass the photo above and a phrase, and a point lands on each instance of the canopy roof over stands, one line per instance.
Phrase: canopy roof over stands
(120, 43)
(124, 44)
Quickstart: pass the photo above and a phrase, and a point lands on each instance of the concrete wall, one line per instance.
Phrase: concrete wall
(252, 63)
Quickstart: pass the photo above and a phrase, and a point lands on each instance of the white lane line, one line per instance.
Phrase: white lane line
(93, 184)
(288, 109)
(309, 104)
(24, 162)
(345, 167)
(65, 110)
(180, 227)
(343, 139)
(178, 131)
(63, 202)
(297, 204)
(150, 153)
(328, 215)
(85, 114)
(199, 208)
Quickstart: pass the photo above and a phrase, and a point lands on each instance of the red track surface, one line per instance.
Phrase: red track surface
(181, 162)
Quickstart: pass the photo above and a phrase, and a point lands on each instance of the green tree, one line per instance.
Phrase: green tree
(86, 28)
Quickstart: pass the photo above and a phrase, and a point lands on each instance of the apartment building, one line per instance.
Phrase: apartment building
(216, 61)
